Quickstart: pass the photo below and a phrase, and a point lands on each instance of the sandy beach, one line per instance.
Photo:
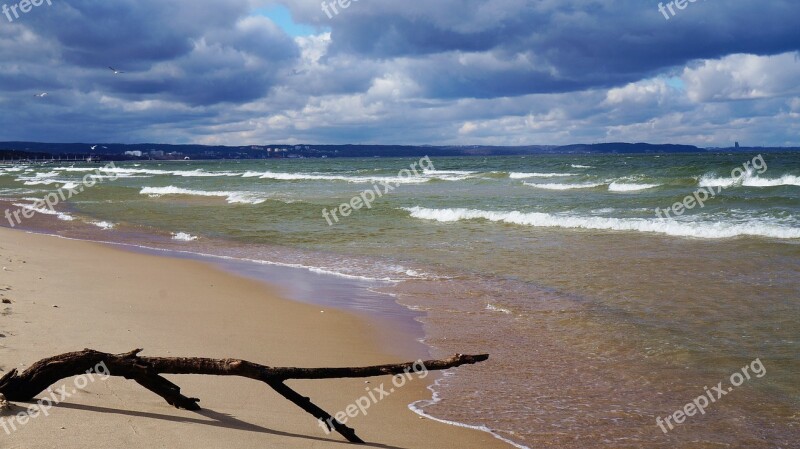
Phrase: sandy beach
(68, 295)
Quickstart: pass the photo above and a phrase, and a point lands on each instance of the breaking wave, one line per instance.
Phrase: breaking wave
(709, 230)
(230, 197)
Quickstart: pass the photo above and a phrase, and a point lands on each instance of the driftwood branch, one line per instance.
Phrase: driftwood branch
(147, 371)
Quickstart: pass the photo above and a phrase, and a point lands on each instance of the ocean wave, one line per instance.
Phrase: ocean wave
(450, 175)
(116, 170)
(200, 173)
(132, 172)
(449, 172)
(493, 308)
(617, 186)
(40, 182)
(352, 179)
(183, 237)
(65, 184)
(709, 230)
(231, 197)
(580, 166)
(419, 406)
(785, 180)
(105, 225)
(585, 185)
(518, 175)
(709, 180)
(748, 180)
(37, 178)
(70, 169)
(45, 211)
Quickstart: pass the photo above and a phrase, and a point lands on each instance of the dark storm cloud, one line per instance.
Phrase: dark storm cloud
(197, 52)
(581, 44)
(443, 71)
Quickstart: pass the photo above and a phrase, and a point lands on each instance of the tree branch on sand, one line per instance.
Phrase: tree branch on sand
(147, 371)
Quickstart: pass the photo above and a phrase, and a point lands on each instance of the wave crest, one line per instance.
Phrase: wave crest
(231, 197)
(711, 230)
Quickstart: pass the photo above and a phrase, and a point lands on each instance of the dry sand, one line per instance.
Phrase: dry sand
(114, 301)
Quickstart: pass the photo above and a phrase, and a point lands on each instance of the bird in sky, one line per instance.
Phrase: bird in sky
(93, 147)
(41, 95)
(116, 72)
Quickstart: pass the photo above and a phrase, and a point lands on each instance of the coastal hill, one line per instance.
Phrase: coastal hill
(111, 151)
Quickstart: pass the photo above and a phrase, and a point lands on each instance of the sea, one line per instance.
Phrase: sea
(609, 290)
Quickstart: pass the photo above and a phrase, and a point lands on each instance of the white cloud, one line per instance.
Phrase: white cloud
(645, 91)
(743, 77)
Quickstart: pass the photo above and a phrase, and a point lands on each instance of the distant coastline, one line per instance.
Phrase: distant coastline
(145, 151)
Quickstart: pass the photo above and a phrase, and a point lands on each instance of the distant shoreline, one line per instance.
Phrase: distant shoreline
(168, 152)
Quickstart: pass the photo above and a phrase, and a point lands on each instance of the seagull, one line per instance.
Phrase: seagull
(116, 72)
(41, 95)
(93, 147)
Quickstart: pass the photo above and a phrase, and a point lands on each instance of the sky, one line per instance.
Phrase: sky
(440, 72)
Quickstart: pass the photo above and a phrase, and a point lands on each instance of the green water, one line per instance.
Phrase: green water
(599, 314)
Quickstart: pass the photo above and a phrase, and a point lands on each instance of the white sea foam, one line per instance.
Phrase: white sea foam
(184, 237)
(103, 225)
(449, 175)
(200, 173)
(418, 408)
(785, 180)
(494, 308)
(40, 182)
(46, 211)
(132, 172)
(352, 179)
(708, 180)
(117, 172)
(748, 179)
(617, 186)
(231, 197)
(448, 172)
(546, 186)
(580, 166)
(518, 175)
(707, 230)
(38, 178)
(75, 169)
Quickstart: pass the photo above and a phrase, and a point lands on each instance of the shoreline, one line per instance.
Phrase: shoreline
(192, 321)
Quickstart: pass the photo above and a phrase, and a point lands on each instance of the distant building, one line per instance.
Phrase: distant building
(136, 153)
(737, 145)
(156, 153)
